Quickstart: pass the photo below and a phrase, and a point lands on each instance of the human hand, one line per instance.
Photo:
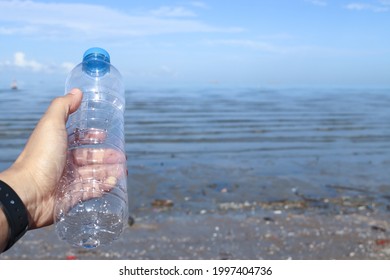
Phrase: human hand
(89, 173)
(36, 172)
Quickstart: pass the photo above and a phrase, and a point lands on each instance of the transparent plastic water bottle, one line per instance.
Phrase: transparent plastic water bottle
(91, 207)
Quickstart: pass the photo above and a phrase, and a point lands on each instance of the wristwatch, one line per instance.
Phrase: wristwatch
(15, 212)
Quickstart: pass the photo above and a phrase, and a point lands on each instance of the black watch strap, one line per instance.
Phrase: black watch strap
(15, 212)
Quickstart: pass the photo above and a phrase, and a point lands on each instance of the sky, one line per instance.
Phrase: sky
(232, 43)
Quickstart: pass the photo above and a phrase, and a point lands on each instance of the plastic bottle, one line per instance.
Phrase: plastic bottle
(91, 202)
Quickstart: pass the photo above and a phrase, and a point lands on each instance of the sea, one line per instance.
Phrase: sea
(199, 147)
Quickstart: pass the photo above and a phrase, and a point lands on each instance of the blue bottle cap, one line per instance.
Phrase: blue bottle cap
(96, 62)
(97, 52)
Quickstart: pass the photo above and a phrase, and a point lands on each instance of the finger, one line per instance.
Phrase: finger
(61, 107)
(88, 156)
(104, 173)
(88, 136)
(76, 96)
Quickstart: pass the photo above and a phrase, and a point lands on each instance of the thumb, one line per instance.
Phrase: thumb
(61, 107)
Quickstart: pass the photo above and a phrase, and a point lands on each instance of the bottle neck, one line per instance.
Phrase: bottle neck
(96, 65)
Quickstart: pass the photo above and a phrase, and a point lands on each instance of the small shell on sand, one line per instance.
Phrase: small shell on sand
(162, 203)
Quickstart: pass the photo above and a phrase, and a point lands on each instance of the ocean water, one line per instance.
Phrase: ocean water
(200, 147)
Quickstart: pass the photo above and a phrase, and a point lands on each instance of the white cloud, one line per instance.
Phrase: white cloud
(283, 48)
(382, 6)
(199, 4)
(67, 66)
(384, 2)
(172, 12)
(21, 62)
(252, 44)
(318, 2)
(16, 30)
(91, 21)
(357, 6)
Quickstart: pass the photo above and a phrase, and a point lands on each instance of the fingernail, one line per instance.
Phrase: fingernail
(111, 181)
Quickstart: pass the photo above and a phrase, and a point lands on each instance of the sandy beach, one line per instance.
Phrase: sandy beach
(238, 174)
(237, 231)
(224, 221)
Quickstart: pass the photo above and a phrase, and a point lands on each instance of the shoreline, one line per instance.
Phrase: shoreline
(256, 173)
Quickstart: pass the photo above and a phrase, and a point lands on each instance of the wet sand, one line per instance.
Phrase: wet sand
(223, 221)
(239, 231)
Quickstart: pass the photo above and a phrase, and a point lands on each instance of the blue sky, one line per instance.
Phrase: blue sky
(245, 43)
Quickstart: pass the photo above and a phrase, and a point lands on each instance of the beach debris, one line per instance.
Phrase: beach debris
(223, 187)
(71, 257)
(213, 186)
(378, 228)
(162, 203)
(382, 242)
(225, 206)
(337, 204)
(283, 204)
(225, 256)
(130, 221)
(268, 219)
(305, 197)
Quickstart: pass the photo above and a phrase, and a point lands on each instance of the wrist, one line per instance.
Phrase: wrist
(15, 213)
(17, 181)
